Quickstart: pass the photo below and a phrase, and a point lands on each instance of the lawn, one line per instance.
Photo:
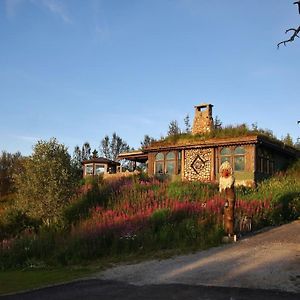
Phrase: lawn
(14, 281)
(17, 280)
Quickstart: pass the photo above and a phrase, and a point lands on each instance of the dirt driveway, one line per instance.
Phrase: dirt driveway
(268, 260)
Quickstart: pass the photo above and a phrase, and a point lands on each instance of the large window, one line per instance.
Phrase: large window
(239, 159)
(170, 163)
(89, 169)
(235, 157)
(265, 162)
(159, 163)
(166, 163)
(226, 155)
(99, 169)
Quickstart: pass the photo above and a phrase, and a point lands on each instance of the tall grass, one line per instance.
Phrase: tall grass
(134, 216)
(283, 190)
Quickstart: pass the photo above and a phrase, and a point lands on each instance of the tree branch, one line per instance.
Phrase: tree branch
(298, 3)
(296, 31)
(293, 36)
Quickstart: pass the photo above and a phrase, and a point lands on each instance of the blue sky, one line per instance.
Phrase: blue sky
(78, 70)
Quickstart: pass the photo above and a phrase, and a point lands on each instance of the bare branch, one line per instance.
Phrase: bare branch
(298, 3)
(294, 30)
(291, 29)
(293, 36)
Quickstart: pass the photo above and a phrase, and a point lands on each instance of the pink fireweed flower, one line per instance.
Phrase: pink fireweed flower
(7, 244)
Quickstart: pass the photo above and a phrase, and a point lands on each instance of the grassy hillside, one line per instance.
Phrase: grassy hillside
(139, 216)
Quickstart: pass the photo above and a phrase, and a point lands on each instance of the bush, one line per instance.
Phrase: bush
(159, 218)
(10, 165)
(48, 182)
(13, 222)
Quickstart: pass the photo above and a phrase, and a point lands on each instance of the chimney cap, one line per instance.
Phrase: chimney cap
(203, 105)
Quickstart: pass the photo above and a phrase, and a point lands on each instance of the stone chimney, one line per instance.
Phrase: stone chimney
(203, 121)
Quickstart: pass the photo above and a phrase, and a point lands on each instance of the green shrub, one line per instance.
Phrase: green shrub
(159, 218)
(284, 191)
(13, 222)
(48, 182)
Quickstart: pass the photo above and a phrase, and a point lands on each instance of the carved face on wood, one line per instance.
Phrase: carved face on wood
(226, 176)
(225, 173)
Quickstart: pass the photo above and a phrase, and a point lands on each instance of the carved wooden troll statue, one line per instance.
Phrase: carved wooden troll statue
(226, 185)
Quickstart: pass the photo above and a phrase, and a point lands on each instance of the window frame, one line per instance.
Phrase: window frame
(231, 155)
(239, 155)
(101, 166)
(165, 161)
(90, 165)
(170, 160)
(265, 162)
(159, 161)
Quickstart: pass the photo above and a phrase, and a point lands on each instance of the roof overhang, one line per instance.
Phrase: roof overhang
(279, 146)
(100, 160)
(137, 156)
(209, 143)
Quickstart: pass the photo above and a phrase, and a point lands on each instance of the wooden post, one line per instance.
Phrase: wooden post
(229, 211)
(226, 186)
(212, 164)
(182, 163)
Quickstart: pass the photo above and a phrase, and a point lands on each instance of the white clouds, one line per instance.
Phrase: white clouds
(56, 7)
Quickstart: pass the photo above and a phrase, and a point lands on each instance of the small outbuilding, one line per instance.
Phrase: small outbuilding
(99, 166)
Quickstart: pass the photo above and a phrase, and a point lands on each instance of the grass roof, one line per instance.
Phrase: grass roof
(230, 131)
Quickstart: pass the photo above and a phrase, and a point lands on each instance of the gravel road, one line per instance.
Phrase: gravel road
(267, 260)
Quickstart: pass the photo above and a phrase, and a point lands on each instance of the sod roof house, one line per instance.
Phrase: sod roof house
(253, 157)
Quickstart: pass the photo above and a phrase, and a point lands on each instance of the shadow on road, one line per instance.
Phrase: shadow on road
(112, 290)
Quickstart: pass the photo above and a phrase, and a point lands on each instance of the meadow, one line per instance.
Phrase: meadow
(137, 216)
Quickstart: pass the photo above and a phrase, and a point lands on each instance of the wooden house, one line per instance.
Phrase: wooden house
(253, 157)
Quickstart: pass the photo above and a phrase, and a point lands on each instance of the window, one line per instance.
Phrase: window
(265, 162)
(235, 157)
(239, 159)
(225, 155)
(170, 163)
(260, 161)
(89, 169)
(99, 169)
(167, 163)
(159, 163)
